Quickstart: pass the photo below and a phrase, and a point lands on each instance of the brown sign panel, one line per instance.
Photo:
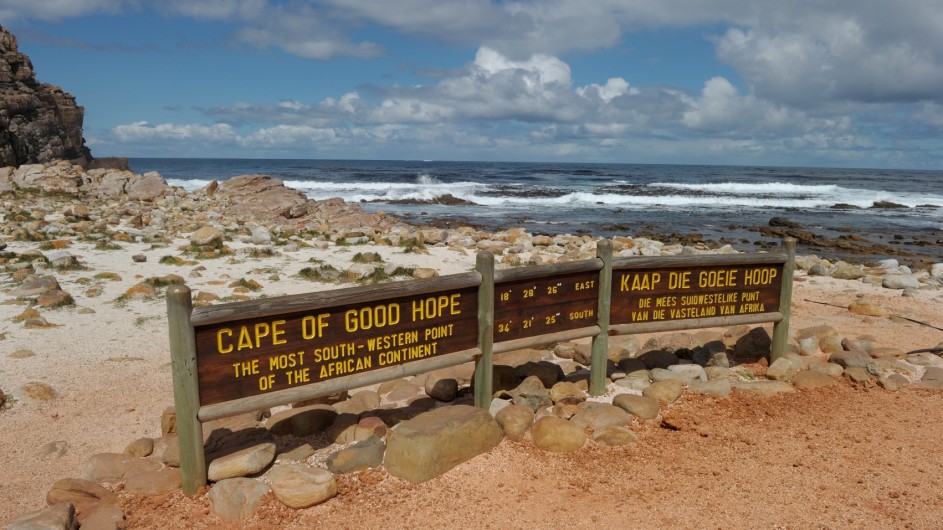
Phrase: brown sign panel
(540, 306)
(663, 294)
(239, 359)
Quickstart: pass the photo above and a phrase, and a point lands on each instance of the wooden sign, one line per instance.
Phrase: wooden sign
(242, 358)
(541, 306)
(682, 293)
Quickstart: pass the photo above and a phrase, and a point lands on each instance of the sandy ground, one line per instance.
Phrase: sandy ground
(842, 457)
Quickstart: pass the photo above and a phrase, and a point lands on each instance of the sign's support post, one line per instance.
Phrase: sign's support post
(186, 388)
(484, 372)
(781, 328)
(600, 349)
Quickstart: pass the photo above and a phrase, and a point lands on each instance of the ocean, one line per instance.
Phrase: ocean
(721, 203)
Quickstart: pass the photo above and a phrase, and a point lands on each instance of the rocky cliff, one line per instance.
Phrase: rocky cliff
(39, 122)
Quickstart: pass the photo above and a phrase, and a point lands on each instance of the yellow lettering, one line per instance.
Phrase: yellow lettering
(313, 327)
(277, 332)
(219, 340)
(262, 329)
(245, 340)
(679, 280)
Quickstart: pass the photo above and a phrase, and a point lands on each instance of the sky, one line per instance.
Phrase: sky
(844, 83)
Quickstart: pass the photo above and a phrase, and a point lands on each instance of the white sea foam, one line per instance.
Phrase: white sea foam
(189, 184)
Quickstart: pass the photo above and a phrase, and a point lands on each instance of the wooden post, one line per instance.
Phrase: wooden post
(186, 388)
(484, 373)
(781, 328)
(600, 351)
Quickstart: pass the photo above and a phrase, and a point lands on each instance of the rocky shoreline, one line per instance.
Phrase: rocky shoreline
(79, 246)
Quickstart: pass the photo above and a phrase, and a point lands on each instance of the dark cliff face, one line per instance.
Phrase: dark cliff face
(39, 122)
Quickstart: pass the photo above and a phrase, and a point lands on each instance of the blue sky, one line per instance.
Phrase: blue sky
(855, 83)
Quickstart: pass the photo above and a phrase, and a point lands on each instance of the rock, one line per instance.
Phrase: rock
(925, 359)
(688, 373)
(36, 287)
(514, 420)
(57, 517)
(887, 353)
(154, 482)
(532, 394)
(658, 359)
(567, 392)
(139, 258)
(54, 299)
(829, 369)
(766, 388)
(666, 392)
(141, 447)
(596, 416)
(782, 369)
(646, 408)
(261, 198)
(299, 486)
(207, 236)
(302, 421)
(442, 389)
(22, 354)
(236, 498)
(717, 387)
(116, 467)
(858, 374)
(893, 382)
(41, 122)
(548, 373)
(615, 435)
(244, 462)
(438, 440)
(35, 393)
(105, 518)
(809, 379)
(818, 270)
(847, 359)
(900, 281)
(362, 455)
(84, 495)
(261, 235)
(622, 347)
(557, 435)
(868, 309)
(297, 454)
(755, 343)
(54, 449)
(829, 340)
(847, 271)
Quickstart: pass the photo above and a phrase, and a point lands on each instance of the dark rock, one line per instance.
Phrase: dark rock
(887, 205)
(783, 222)
(39, 122)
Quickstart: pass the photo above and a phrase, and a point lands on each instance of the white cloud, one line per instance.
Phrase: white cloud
(61, 9)
(722, 108)
(143, 131)
(214, 9)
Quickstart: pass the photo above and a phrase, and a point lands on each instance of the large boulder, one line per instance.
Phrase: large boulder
(436, 441)
(39, 122)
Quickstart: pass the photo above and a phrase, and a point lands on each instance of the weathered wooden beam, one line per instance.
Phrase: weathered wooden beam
(781, 328)
(186, 388)
(600, 347)
(550, 338)
(484, 371)
(547, 271)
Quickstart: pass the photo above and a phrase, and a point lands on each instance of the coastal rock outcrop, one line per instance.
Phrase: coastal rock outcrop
(39, 122)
